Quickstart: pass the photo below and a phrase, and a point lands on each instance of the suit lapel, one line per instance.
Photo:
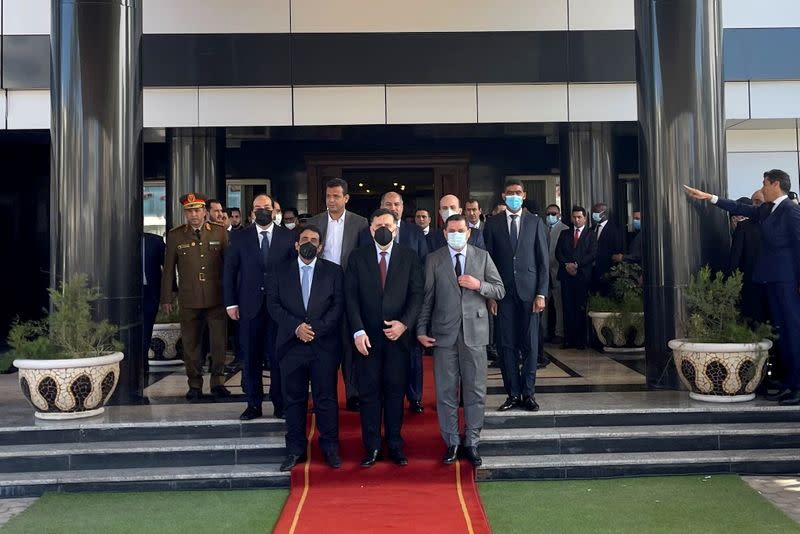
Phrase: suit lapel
(450, 267)
(296, 285)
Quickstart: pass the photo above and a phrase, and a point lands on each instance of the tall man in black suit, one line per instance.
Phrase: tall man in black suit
(305, 297)
(610, 246)
(745, 249)
(517, 243)
(778, 267)
(340, 233)
(249, 261)
(576, 251)
(153, 249)
(384, 290)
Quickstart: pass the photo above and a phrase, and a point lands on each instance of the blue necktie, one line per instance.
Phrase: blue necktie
(306, 284)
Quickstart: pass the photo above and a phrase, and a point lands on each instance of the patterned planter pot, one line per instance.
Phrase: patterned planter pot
(720, 372)
(165, 346)
(69, 389)
(615, 339)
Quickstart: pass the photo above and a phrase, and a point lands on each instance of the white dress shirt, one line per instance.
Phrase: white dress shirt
(426, 230)
(508, 220)
(378, 251)
(334, 238)
(600, 227)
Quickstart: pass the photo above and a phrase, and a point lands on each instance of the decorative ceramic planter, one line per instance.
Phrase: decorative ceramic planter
(617, 339)
(165, 346)
(720, 372)
(69, 389)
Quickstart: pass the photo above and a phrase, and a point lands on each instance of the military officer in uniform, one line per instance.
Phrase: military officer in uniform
(197, 248)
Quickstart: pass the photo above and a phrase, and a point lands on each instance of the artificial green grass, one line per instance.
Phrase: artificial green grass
(198, 512)
(713, 504)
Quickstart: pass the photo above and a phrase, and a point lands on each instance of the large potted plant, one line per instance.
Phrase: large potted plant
(165, 345)
(68, 363)
(618, 319)
(723, 357)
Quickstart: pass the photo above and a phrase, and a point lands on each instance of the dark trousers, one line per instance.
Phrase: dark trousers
(574, 292)
(348, 363)
(414, 390)
(784, 307)
(299, 367)
(755, 303)
(149, 311)
(518, 336)
(192, 322)
(255, 337)
(382, 381)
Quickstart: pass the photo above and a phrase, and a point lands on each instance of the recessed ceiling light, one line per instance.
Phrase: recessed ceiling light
(395, 184)
(367, 190)
(360, 184)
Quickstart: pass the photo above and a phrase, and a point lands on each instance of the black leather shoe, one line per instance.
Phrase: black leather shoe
(471, 454)
(398, 456)
(292, 460)
(511, 402)
(371, 457)
(332, 459)
(220, 392)
(529, 404)
(793, 399)
(450, 455)
(416, 407)
(251, 413)
(194, 395)
(353, 404)
(780, 395)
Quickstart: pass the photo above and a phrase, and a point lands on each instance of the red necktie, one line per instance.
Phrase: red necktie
(382, 269)
(576, 237)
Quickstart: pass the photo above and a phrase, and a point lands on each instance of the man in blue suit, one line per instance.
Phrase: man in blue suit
(517, 243)
(153, 261)
(251, 258)
(305, 297)
(777, 266)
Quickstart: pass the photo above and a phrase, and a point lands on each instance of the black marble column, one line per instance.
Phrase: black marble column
(590, 164)
(96, 172)
(681, 141)
(196, 164)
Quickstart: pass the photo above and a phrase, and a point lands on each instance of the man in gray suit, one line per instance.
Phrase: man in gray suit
(340, 230)
(459, 278)
(554, 321)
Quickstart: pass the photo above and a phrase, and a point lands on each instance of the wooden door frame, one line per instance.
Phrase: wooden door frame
(450, 170)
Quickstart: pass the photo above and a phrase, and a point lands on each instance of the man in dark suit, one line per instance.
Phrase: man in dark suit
(384, 290)
(340, 233)
(450, 205)
(610, 246)
(745, 249)
(472, 209)
(777, 266)
(408, 235)
(305, 297)
(153, 249)
(517, 243)
(249, 261)
(576, 251)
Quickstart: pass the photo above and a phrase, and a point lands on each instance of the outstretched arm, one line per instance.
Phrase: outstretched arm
(734, 208)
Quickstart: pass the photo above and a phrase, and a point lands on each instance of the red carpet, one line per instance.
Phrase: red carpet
(425, 496)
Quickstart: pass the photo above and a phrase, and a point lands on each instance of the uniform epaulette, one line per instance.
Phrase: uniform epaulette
(179, 227)
(216, 224)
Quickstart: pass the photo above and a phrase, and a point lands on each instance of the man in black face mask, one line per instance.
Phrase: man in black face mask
(306, 300)
(249, 263)
(384, 289)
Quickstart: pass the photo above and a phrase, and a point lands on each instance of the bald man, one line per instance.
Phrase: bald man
(408, 235)
(450, 205)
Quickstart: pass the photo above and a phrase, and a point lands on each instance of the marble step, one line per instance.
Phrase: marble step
(148, 479)
(561, 466)
(611, 439)
(141, 454)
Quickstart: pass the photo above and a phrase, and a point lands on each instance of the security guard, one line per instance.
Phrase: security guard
(197, 248)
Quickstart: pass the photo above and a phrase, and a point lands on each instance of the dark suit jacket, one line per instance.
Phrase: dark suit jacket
(584, 254)
(354, 224)
(745, 247)
(779, 260)
(153, 252)
(401, 299)
(525, 269)
(411, 236)
(436, 239)
(325, 307)
(610, 242)
(244, 279)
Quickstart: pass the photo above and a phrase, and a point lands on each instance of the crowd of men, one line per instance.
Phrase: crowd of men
(337, 292)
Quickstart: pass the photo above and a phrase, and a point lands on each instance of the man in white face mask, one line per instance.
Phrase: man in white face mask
(450, 205)
(454, 320)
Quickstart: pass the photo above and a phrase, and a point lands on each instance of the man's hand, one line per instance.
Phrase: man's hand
(492, 305)
(166, 308)
(233, 313)
(538, 305)
(394, 329)
(305, 333)
(617, 258)
(426, 341)
(362, 344)
(697, 194)
(469, 282)
(572, 268)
